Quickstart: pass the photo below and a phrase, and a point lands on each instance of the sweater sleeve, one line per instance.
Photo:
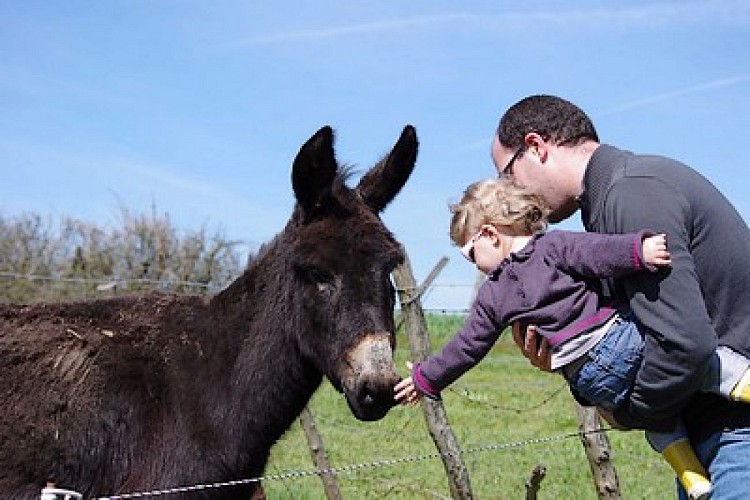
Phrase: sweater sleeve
(466, 348)
(422, 385)
(679, 338)
(595, 255)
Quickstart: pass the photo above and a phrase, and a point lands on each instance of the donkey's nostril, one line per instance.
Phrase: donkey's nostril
(370, 399)
(366, 395)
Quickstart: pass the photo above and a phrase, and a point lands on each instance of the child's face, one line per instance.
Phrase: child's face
(486, 249)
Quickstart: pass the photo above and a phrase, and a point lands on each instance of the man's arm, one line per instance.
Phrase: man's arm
(680, 338)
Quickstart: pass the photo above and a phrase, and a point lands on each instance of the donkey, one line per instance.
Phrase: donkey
(160, 391)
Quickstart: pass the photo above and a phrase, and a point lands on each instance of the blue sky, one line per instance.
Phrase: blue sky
(200, 107)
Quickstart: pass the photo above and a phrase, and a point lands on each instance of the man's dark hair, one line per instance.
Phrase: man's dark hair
(553, 118)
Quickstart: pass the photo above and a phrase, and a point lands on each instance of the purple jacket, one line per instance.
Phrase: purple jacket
(553, 283)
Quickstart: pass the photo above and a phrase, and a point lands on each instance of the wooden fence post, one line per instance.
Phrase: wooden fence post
(532, 484)
(419, 343)
(318, 452)
(598, 452)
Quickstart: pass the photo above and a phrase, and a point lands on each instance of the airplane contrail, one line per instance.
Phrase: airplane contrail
(695, 89)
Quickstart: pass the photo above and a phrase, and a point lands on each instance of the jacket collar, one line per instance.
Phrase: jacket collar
(519, 256)
(606, 165)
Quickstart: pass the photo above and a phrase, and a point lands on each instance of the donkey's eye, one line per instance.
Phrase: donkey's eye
(319, 276)
(323, 280)
(316, 275)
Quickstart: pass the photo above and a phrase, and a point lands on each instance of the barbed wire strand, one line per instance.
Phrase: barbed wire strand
(352, 467)
(40, 277)
(169, 283)
(103, 281)
(466, 393)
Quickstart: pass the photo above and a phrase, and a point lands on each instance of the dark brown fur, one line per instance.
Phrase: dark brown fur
(159, 391)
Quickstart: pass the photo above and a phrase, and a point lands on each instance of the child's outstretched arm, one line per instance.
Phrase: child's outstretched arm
(655, 250)
(405, 393)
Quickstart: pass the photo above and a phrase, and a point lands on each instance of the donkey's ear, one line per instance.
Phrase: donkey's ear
(383, 182)
(313, 171)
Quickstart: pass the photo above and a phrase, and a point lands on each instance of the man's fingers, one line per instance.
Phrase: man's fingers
(517, 336)
(545, 356)
(535, 348)
(531, 344)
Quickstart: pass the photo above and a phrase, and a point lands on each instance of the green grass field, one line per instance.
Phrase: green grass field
(507, 416)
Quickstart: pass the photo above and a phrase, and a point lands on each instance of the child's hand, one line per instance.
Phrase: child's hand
(404, 392)
(655, 250)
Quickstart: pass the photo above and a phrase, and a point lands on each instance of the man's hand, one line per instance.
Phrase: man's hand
(534, 348)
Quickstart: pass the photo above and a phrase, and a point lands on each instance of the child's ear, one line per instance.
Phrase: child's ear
(492, 232)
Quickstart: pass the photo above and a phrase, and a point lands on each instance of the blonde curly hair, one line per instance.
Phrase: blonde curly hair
(500, 202)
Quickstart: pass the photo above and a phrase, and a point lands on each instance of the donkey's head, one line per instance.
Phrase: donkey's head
(343, 256)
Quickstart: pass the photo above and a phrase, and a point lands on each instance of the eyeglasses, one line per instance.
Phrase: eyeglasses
(508, 170)
(468, 249)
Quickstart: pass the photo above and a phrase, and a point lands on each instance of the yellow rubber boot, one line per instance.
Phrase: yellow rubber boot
(689, 470)
(741, 391)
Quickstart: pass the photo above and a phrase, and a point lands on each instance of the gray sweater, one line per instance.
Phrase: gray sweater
(552, 283)
(703, 301)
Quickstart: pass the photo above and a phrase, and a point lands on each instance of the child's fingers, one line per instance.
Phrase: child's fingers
(655, 250)
(404, 391)
(408, 397)
(402, 396)
(402, 385)
(663, 256)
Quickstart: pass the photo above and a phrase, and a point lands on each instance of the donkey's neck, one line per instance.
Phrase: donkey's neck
(270, 381)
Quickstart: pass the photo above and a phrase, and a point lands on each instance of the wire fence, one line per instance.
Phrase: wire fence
(297, 474)
(18, 287)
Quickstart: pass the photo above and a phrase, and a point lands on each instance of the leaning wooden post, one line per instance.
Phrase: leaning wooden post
(598, 452)
(318, 452)
(533, 483)
(434, 412)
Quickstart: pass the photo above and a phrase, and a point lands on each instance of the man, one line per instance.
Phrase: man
(551, 146)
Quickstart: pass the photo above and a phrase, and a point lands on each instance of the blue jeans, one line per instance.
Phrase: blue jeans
(727, 455)
(606, 378)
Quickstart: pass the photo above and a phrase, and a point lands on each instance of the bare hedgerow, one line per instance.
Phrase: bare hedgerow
(41, 260)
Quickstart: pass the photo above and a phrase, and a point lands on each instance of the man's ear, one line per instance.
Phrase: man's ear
(537, 146)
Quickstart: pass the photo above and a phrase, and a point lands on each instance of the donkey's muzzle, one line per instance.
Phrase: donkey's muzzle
(370, 376)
